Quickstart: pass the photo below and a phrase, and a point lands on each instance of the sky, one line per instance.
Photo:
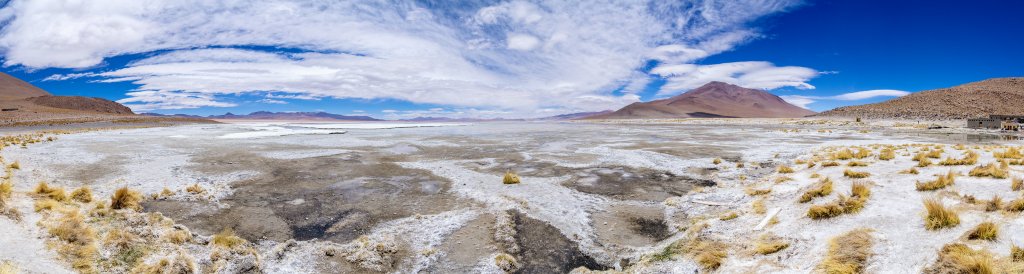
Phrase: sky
(485, 59)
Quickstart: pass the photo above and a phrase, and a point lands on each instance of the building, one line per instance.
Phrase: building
(1004, 122)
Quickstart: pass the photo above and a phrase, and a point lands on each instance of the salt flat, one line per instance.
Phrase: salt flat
(594, 195)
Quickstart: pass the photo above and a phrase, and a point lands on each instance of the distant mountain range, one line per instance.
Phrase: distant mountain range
(712, 100)
(267, 115)
(1002, 96)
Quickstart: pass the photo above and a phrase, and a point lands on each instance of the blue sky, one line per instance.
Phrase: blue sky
(498, 58)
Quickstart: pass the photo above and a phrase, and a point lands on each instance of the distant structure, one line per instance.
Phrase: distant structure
(1003, 122)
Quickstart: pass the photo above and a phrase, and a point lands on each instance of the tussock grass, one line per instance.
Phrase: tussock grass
(830, 164)
(708, 254)
(848, 253)
(911, 171)
(969, 158)
(856, 163)
(938, 215)
(1015, 205)
(844, 154)
(939, 183)
(729, 216)
(178, 236)
(859, 194)
(716, 161)
(995, 204)
(55, 193)
(1009, 153)
(959, 258)
(227, 239)
(15, 165)
(887, 154)
(195, 189)
(166, 192)
(785, 169)
(506, 262)
(934, 154)
(46, 204)
(6, 191)
(924, 162)
(125, 198)
(72, 228)
(82, 195)
(510, 178)
(855, 174)
(7, 267)
(1016, 254)
(984, 231)
(1017, 184)
(824, 188)
(990, 170)
(920, 156)
(783, 179)
(757, 192)
(758, 206)
(862, 153)
(811, 164)
(770, 246)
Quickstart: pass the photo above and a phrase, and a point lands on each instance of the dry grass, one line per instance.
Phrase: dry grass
(55, 193)
(934, 154)
(729, 216)
(811, 164)
(938, 215)
(125, 198)
(166, 192)
(969, 158)
(939, 183)
(995, 204)
(1009, 153)
(855, 174)
(848, 253)
(227, 239)
(1017, 184)
(770, 246)
(178, 236)
(7, 267)
(823, 189)
(859, 194)
(920, 156)
(758, 206)
(844, 154)
(830, 164)
(757, 192)
(195, 189)
(924, 162)
(785, 169)
(959, 258)
(510, 178)
(887, 154)
(1015, 205)
(46, 204)
(82, 195)
(506, 262)
(856, 163)
(911, 171)
(15, 165)
(716, 161)
(990, 170)
(708, 254)
(1016, 254)
(984, 231)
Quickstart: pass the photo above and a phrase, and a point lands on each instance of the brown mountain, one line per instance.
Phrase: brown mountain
(14, 88)
(713, 100)
(978, 99)
(24, 104)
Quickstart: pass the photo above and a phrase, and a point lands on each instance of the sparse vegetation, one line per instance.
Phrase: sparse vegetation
(887, 154)
(855, 174)
(824, 188)
(830, 164)
(859, 194)
(1015, 205)
(959, 258)
(785, 169)
(939, 183)
(985, 231)
(194, 189)
(770, 246)
(510, 178)
(1017, 184)
(55, 193)
(856, 163)
(938, 215)
(911, 171)
(729, 216)
(995, 204)
(969, 158)
(758, 206)
(506, 262)
(1009, 153)
(82, 195)
(125, 198)
(716, 161)
(1016, 254)
(848, 253)
(227, 239)
(844, 154)
(924, 162)
(758, 192)
(990, 170)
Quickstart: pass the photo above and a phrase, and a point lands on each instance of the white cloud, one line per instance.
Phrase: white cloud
(803, 100)
(515, 56)
(753, 74)
(271, 101)
(154, 100)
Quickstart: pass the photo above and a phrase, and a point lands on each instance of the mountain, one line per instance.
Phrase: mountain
(12, 88)
(81, 103)
(712, 100)
(267, 115)
(573, 116)
(24, 104)
(972, 100)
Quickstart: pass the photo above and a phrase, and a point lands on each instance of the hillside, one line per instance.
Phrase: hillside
(978, 99)
(12, 88)
(713, 100)
(267, 115)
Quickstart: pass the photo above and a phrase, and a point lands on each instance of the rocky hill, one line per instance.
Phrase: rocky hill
(978, 99)
(713, 100)
(81, 103)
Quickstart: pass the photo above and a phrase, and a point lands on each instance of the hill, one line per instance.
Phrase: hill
(12, 88)
(972, 100)
(267, 115)
(712, 100)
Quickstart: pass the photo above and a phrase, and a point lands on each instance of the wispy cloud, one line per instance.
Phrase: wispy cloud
(803, 100)
(513, 56)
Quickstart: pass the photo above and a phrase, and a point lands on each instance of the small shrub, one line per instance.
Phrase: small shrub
(823, 189)
(195, 189)
(739, 165)
(995, 204)
(887, 154)
(785, 169)
(1017, 184)
(989, 170)
(510, 178)
(506, 262)
(227, 239)
(938, 215)
(958, 258)
(125, 198)
(1016, 205)
(855, 174)
(844, 154)
(938, 183)
(985, 231)
(55, 193)
(716, 161)
(166, 192)
(848, 253)
(82, 195)
(769, 247)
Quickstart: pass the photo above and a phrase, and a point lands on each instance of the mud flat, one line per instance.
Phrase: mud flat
(649, 197)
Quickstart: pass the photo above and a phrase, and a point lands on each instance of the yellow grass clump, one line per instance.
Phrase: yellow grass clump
(506, 262)
(785, 169)
(510, 178)
(708, 254)
(1009, 153)
(911, 171)
(824, 188)
(887, 154)
(939, 183)
(758, 206)
(938, 215)
(15, 165)
(959, 258)
(178, 236)
(859, 194)
(716, 161)
(7, 267)
(990, 170)
(969, 158)
(920, 156)
(856, 163)
(125, 198)
(862, 153)
(830, 164)
(1017, 184)
(1016, 205)
(855, 174)
(844, 154)
(811, 164)
(82, 195)
(55, 193)
(757, 192)
(729, 216)
(194, 189)
(227, 239)
(1016, 254)
(769, 247)
(995, 204)
(984, 231)
(924, 162)
(934, 154)
(848, 253)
